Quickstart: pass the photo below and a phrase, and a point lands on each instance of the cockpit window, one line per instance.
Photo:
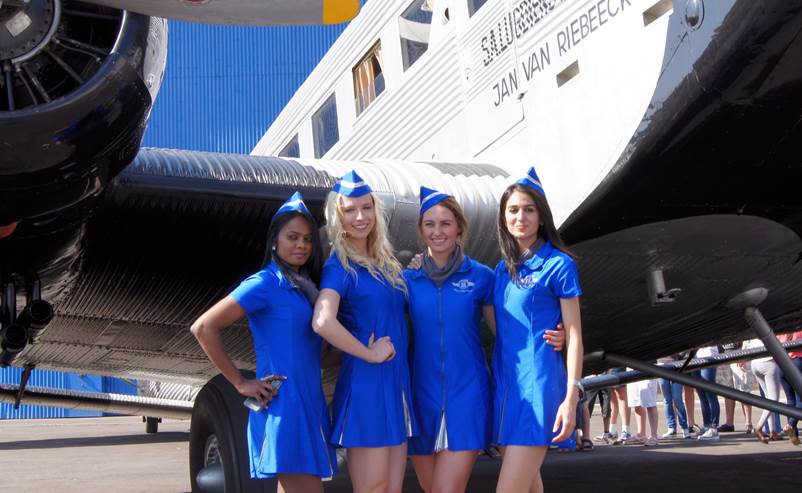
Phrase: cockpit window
(368, 78)
(414, 25)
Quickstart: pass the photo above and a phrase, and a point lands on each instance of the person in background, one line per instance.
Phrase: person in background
(743, 380)
(794, 399)
(620, 407)
(288, 438)
(676, 416)
(360, 311)
(711, 410)
(604, 396)
(642, 398)
(768, 377)
(534, 394)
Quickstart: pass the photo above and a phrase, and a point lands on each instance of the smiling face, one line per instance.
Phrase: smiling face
(440, 230)
(522, 219)
(358, 217)
(294, 242)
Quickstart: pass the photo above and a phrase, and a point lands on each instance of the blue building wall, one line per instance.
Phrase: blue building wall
(222, 89)
(225, 85)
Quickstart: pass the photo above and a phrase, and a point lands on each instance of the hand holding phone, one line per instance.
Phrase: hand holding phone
(257, 405)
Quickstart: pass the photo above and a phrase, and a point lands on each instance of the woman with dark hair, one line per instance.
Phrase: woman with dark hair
(536, 286)
(288, 438)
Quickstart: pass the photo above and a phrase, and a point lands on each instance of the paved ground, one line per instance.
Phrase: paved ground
(92, 455)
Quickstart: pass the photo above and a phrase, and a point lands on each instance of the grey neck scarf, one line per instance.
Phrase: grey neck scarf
(300, 280)
(532, 250)
(440, 274)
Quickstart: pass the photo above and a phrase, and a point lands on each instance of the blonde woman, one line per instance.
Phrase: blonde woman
(361, 311)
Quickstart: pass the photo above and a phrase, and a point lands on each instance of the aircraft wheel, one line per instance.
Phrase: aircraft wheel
(218, 447)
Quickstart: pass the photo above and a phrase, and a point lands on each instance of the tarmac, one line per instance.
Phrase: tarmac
(113, 454)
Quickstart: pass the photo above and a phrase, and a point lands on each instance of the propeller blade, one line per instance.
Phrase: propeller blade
(243, 12)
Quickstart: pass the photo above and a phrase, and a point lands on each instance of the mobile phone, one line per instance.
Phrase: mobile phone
(275, 382)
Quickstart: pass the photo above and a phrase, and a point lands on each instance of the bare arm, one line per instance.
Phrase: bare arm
(325, 323)
(490, 317)
(573, 328)
(207, 330)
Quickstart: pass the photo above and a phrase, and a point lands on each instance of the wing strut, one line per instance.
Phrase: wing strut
(748, 301)
(646, 370)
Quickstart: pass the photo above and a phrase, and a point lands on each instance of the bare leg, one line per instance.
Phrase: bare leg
(729, 412)
(747, 410)
(586, 421)
(621, 394)
(653, 418)
(613, 408)
(299, 483)
(452, 470)
(397, 465)
(369, 469)
(424, 470)
(641, 419)
(520, 469)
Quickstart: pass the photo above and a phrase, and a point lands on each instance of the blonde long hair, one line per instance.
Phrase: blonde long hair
(380, 261)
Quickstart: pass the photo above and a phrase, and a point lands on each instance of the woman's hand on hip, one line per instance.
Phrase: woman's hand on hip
(260, 390)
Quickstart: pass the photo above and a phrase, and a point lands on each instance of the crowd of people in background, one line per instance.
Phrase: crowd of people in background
(761, 375)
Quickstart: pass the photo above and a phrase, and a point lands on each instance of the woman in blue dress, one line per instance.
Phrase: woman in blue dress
(448, 294)
(361, 311)
(288, 438)
(534, 394)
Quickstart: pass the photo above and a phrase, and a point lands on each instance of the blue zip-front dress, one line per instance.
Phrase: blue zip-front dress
(372, 404)
(450, 378)
(529, 376)
(290, 436)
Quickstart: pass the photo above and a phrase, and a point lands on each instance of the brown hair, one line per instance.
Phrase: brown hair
(451, 204)
(547, 230)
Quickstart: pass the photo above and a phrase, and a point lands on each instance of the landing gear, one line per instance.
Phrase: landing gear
(218, 447)
(151, 424)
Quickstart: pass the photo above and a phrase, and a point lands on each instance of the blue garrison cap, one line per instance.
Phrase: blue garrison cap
(294, 203)
(532, 181)
(429, 198)
(351, 185)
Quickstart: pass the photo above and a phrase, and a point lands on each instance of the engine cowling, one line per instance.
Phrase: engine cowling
(77, 83)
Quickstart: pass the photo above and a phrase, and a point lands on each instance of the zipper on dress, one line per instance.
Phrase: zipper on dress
(442, 350)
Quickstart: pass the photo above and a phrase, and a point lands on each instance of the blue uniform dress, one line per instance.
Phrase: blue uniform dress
(290, 435)
(529, 376)
(450, 378)
(372, 402)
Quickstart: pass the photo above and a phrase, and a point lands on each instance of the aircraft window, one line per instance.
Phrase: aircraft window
(656, 11)
(324, 127)
(414, 26)
(568, 73)
(368, 78)
(474, 5)
(291, 149)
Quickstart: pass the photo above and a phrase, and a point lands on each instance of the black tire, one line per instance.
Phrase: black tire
(218, 413)
(152, 424)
